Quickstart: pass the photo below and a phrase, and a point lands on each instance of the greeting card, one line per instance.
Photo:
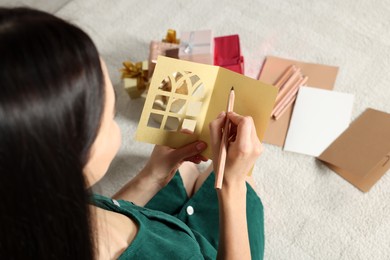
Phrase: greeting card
(185, 97)
(361, 154)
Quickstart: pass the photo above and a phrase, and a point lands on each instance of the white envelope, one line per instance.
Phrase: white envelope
(319, 117)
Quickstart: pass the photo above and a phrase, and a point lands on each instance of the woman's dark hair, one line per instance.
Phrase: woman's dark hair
(51, 102)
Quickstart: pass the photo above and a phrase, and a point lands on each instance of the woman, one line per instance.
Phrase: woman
(58, 137)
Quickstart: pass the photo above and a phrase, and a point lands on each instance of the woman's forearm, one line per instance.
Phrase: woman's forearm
(139, 190)
(233, 228)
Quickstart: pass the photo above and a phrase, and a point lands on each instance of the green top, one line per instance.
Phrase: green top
(174, 226)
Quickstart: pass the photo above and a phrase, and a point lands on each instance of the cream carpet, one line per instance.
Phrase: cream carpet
(310, 212)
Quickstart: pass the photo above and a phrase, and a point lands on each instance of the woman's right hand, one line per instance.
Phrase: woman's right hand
(243, 149)
(244, 146)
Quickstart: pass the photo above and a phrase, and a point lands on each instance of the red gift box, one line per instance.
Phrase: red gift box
(227, 53)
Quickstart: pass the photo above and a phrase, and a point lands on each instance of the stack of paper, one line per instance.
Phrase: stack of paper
(319, 76)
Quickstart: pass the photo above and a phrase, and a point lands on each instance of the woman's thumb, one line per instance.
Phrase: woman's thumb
(190, 149)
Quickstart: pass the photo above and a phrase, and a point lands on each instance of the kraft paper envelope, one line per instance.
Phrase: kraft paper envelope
(319, 117)
(361, 154)
(320, 76)
(198, 93)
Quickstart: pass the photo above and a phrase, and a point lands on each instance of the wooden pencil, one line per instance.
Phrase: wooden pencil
(287, 86)
(288, 91)
(285, 76)
(224, 143)
(289, 99)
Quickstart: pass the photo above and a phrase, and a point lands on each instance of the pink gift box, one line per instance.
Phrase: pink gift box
(197, 46)
(161, 48)
(227, 53)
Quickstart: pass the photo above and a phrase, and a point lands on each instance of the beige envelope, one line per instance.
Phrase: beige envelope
(361, 154)
(320, 76)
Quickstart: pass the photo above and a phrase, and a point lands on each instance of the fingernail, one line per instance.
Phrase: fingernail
(221, 114)
(201, 146)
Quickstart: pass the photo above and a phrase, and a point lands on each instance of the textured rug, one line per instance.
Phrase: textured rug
(310, 212)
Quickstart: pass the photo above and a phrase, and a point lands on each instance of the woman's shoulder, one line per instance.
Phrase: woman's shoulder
(115, 232)
(101, 201)
(158, 234)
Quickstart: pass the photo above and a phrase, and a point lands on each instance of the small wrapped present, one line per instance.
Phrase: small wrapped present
(197, 46)
(227, 53)
(161, 48)
(135, 78)
(171, 37)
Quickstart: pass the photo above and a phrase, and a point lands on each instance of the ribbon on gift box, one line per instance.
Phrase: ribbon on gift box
(230, 61)
(135, 76)
(136, 71)
(190, 45)
(171, 37)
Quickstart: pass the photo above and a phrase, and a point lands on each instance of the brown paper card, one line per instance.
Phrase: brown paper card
(361, 154)
(320, 76)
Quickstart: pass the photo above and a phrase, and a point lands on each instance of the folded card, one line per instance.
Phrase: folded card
(187, 96)
(319, 76)
(319, 117)
(361, 154)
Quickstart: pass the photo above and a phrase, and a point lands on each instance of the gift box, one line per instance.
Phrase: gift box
(161, 48)
(197, 46)
(135, 78)
(227, 53)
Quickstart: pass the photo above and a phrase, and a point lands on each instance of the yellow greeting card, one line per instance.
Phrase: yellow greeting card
(184, 97)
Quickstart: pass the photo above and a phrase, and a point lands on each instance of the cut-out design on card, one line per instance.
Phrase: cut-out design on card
(188, 125)
(160, 102)
(192, 95)
(180, 102)
(172, 123)
(155, 120)
(177, 105)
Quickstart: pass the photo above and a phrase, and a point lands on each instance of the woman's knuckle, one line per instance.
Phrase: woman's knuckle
(258, 150)
(247, 119)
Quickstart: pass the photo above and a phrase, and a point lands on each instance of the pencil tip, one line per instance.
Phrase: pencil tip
(232, 88)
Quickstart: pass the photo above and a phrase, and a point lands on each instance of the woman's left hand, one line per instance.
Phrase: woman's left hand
(164, 161)
(159, 170)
